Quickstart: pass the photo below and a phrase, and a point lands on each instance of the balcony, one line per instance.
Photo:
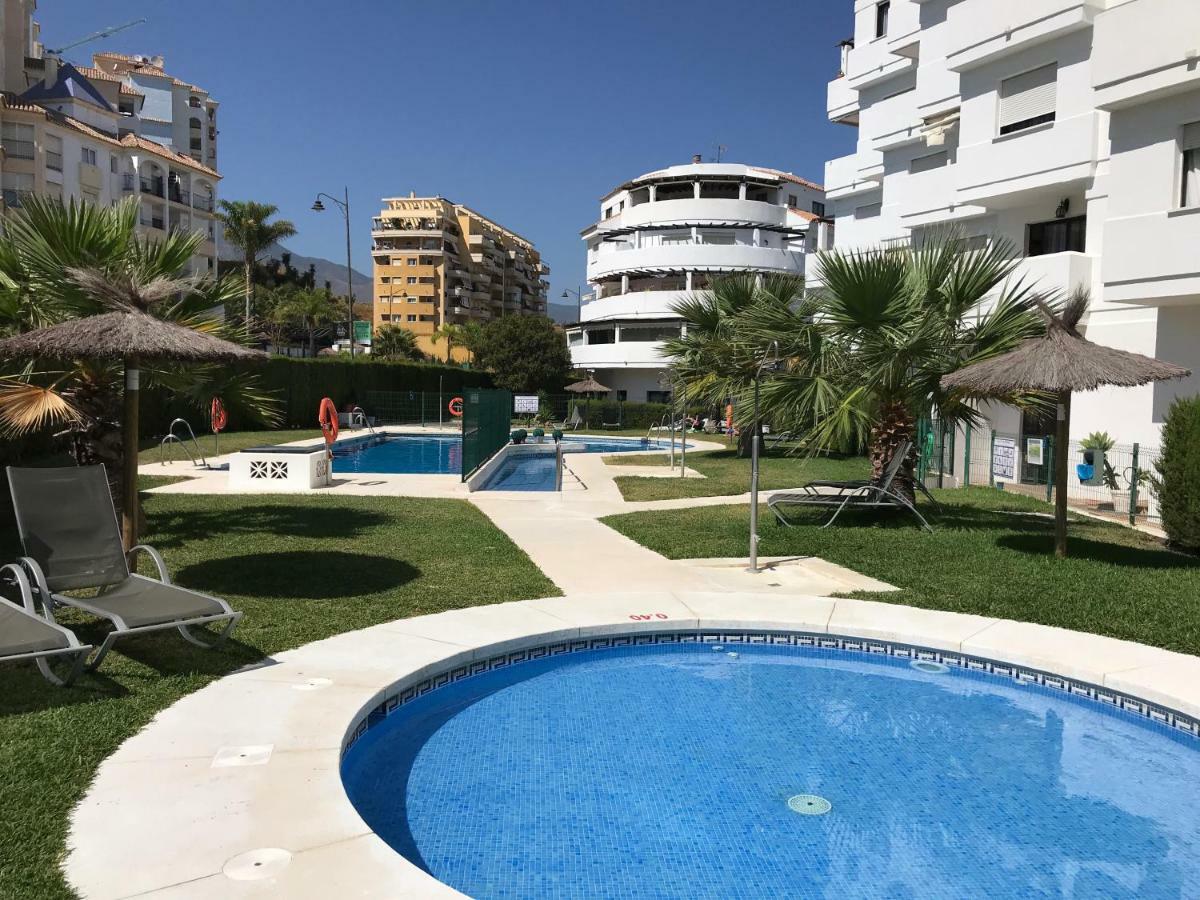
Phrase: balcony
(980, 31)
(631, 355)
(179, 195)
(127, 182)
(842, 179)
(204, 204)
(873, 63)
(152, 186)
(706, 209)
(841, 102)
(904, 29)
(20, 149)
(1057, 271)
(891, 123)
(634, 305)
(54, 161)
(1143, 50)
(1054, 155)
(681, 257)
(1151, 258)
(153, 222)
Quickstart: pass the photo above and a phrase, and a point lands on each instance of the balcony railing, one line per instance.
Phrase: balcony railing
(153, 222)
(204, 204)
(54, 160)
(12, 198)
(127, 181)
(178, 195)
(19, 149)
(152, 186)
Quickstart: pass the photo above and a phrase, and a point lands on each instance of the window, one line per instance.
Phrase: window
(928, 163)
(724, 238)
(412, 279)
(881, 17)
(411, 317)
(385, 279)
(18, 140)
(1027, 100)
(869, 211)
(89, 156)
(412, 260)
(1058, 236)
(54, 158)
(792, 201)
(1190, 193)
(607, 336)
(675, 238)
(15, 184)
(384, 317)
(658, 396)
(621, 396)
(818, 208)
(113, 164)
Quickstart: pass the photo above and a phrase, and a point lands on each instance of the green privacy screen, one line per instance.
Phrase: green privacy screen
(487, 415)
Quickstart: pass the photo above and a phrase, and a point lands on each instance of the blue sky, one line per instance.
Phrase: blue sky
(526, 110)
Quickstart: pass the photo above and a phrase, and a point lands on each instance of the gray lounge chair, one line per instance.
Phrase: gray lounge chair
(26, 635)
(839, 495)
(68, 527)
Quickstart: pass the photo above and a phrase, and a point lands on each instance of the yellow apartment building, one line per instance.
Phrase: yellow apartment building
(438, 262)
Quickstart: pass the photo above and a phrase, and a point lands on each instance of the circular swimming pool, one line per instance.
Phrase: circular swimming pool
(696, 767)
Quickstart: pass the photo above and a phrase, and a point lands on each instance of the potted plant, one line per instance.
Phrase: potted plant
(1099, 440)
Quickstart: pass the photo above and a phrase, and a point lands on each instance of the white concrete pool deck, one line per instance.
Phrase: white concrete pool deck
(234, 791)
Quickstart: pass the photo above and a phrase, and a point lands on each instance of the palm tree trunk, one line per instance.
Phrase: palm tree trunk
(896, 425)
(1061, 444)
(249, 262)
(129, 450)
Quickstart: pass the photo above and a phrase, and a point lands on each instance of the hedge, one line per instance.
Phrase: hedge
(301, 383)
(1178, 474)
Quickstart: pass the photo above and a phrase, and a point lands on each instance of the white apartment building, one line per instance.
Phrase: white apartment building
(1069, 127)
(85, 132)
(669, 232)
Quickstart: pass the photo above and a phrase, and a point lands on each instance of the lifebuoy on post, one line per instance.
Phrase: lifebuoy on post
(217, 417)
(455, 406)
(327, 416)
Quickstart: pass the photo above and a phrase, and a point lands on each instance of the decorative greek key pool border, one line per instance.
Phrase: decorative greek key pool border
(1151, 712)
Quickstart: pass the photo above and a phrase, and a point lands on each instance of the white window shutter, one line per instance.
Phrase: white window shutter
(1028, 95)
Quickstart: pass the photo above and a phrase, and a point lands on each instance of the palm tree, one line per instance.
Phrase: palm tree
(394, 342)
(60, 263)
(716, 359)
(310, 311)
(864, 354)
(246, 227)
(453, 334)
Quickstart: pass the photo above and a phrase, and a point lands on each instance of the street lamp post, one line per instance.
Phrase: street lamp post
(578, 292)
(770, 360)
(344, 205)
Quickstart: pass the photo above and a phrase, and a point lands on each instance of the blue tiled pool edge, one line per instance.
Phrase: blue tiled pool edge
(1172, 721)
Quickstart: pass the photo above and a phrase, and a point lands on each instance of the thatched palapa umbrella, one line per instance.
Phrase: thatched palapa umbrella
(130, 334)
(588, 386)
(1060, 362)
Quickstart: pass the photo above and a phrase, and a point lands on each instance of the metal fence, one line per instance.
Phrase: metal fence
(487, 416)
(1025, 463)
(411, 407)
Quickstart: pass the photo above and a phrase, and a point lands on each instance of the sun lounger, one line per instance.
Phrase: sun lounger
(840, 495)
(25, 635)
(68, 527)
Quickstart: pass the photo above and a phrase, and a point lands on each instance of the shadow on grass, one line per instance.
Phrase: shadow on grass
(307, 575)
(332, 521)
(23, 690)
(1099, 551)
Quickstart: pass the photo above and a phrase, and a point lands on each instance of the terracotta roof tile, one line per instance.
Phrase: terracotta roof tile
(788, 176)
(132, 140)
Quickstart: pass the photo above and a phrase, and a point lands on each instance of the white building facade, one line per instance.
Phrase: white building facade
(668, 233)
(1070, 128)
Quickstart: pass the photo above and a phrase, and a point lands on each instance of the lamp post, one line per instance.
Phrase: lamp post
(578, 292)
(770, 360)
(344, 205)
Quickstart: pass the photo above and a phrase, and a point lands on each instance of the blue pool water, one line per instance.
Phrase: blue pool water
(431, 455)
(524, 472)
(666, 771)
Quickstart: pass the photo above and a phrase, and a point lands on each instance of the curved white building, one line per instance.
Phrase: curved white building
(669, 232)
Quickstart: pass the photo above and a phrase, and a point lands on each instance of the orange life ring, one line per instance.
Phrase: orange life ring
(218, 417)
(327, 416)
(455, 406)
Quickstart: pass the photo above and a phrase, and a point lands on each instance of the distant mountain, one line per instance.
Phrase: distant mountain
(563, 313)
(326, 269)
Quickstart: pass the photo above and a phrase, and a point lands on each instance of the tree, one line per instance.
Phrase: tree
(308, 311)
(524, 353)
(246, 227)
(42, 245)
(452, 334)
(1177, 478)
(862, 356)
(394, 342)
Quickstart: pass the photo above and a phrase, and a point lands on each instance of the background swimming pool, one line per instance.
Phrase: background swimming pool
(437, 454)
(666, 771)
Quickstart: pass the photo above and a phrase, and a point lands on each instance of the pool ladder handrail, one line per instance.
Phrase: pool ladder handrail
(172, 437)
(359, 414)
(558, 466)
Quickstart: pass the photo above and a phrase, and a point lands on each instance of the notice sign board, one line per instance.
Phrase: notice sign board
(525, 404)
(1035, 451)
(1004, 458)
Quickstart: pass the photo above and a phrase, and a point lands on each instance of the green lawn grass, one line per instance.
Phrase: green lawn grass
(727, 474)
(301, 568)
(231, 442)
(991, 554)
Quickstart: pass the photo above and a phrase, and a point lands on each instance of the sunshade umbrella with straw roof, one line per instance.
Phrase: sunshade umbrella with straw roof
(1060, 362)
(588, 386)
(132, 335)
